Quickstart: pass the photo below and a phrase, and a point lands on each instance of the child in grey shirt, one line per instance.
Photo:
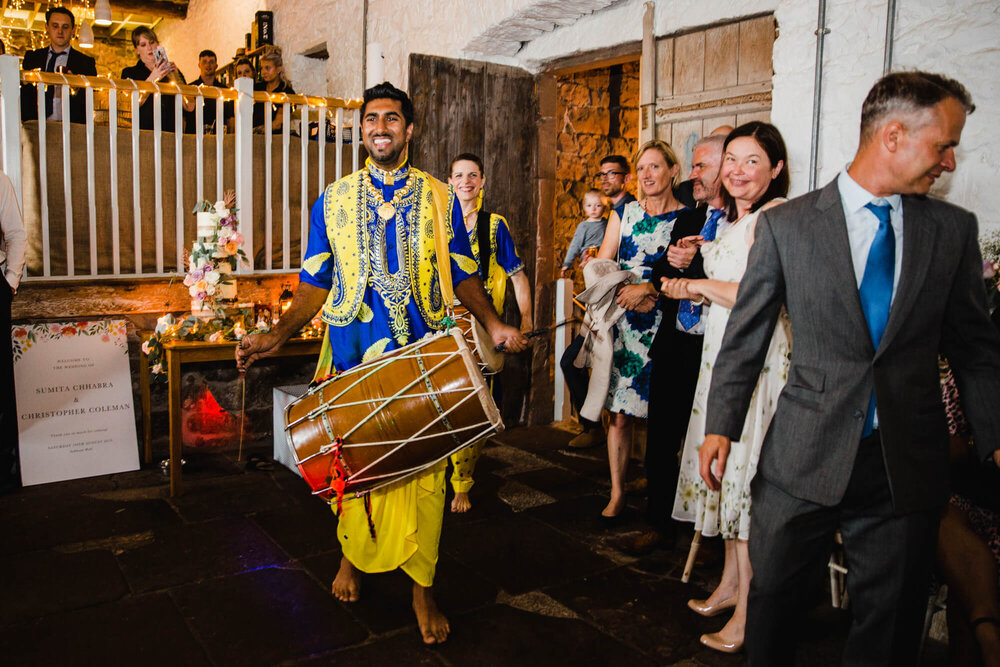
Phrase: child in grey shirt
(589, 232)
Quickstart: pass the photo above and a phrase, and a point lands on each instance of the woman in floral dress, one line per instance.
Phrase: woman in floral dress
(637, 240)
(754, 174)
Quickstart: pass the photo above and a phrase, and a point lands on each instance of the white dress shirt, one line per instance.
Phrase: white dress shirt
(14, 240)
(862, 225)
(57, 59)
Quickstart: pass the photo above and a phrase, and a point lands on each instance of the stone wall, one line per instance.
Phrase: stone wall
(598, 115)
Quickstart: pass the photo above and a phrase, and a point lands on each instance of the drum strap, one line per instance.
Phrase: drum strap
(483, 222)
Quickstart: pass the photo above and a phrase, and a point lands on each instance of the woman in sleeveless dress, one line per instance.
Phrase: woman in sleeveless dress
(754, 176)
(637, 239)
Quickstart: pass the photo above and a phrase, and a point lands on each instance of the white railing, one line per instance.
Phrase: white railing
(242, 167)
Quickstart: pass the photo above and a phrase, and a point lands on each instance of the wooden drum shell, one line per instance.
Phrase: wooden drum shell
(386, 401)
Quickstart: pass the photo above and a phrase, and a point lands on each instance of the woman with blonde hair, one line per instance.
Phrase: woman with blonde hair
(272, 81)
(636, 240)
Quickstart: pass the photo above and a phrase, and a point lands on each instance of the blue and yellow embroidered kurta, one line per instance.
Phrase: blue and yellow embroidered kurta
(384, 293)
(504, 260)
(382, 275)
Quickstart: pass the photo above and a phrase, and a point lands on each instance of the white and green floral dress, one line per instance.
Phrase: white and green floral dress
(644, 239)
(727, 512)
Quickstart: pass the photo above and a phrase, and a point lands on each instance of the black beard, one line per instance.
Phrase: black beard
(390, 161)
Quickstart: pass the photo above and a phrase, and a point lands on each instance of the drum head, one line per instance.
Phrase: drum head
(492, 359)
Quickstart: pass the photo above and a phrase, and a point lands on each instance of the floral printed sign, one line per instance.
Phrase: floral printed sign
(74, 400)
(109, 331)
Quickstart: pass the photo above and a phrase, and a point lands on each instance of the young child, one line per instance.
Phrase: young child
(589, 232)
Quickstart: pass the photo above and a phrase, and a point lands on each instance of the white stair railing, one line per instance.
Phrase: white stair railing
(99, 220)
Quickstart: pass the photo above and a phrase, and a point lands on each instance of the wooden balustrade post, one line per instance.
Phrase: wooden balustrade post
(10, 126)
(244, 167)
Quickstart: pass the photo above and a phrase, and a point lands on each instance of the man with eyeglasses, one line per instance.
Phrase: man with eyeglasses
(614, 176)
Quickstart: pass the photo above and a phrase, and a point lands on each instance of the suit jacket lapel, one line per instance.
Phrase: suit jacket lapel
(918, 246)
(835, 249)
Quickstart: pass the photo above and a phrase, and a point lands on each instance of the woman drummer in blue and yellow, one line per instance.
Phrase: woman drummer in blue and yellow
(467, 178)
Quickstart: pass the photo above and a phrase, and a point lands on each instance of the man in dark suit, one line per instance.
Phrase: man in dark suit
(877, 280)
(58, 56)
(676, 348)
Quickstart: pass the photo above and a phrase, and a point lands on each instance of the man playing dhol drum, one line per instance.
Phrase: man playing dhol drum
(377, 282)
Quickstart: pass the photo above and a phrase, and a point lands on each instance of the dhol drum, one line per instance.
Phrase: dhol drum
(390, 417)
(490, 361)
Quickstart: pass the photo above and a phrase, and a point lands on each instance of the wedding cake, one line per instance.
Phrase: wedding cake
(212, 263)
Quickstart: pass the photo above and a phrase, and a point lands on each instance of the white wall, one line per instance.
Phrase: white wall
(440, 28)
(299, 25)
(210, 24)
(960, 39)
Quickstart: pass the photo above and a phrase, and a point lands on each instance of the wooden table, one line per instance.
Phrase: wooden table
(179, 352)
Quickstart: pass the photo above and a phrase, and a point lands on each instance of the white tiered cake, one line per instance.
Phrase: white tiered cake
(210, 266)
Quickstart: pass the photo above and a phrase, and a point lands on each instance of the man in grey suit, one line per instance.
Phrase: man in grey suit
(877, 280)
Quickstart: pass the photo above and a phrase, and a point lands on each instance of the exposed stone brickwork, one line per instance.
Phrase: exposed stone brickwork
(598, 115)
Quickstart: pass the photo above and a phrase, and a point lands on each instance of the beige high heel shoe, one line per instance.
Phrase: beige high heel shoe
(715, 642)
(703, 608)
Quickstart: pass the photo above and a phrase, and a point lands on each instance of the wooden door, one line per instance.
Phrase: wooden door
(466, 106)
(710, 77)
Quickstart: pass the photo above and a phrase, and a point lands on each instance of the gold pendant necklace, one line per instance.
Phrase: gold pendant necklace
(386, 211)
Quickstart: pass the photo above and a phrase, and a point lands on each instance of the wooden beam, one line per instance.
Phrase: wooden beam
(599, 58)
(30, 21)
(132, 297)
(161, 8)
(647, 77)
(128, 17)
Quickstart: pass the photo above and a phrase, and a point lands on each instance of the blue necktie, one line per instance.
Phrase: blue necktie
(876, 287)
(688, 313)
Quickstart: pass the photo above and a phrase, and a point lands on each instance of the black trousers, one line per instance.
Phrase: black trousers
(10, 474)
(672, 381)
(577, 379)
(889, 558)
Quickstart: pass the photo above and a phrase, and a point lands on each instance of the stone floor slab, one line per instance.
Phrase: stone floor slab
(36, 521)
(266, 617)
(644, 611)
(147, 631)
(46, 582)
(520, 555)
(503, 636)
(253, 491)
(301, 529)
(560, 483)
(196, 552)
(400, 649)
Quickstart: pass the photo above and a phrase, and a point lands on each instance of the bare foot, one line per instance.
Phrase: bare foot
(433, 625)
(347, 585)
(460, 503)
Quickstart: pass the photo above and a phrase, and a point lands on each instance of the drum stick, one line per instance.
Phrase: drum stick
(538, 332)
